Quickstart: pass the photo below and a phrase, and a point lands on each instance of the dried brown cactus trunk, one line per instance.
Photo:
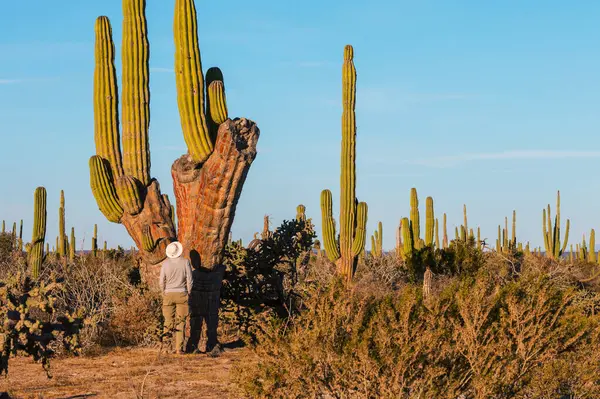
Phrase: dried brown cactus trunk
(427, 279)
(207, 194)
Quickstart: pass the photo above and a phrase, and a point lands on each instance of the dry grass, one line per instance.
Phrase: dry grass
(120, 373)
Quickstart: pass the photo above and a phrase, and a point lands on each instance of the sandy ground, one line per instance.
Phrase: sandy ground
(125, 373)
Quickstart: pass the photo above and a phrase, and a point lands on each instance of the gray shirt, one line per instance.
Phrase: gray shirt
(175, 275)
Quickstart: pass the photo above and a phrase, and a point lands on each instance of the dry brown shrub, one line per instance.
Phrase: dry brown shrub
(500, 333)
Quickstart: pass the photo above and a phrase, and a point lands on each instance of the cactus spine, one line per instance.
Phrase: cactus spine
(552, 241)
(353, 215)
(38, 236)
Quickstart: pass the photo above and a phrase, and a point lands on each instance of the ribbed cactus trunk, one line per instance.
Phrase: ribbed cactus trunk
(353, 215)
(38, 236)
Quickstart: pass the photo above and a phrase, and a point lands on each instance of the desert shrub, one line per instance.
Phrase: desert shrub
(7, 245)
(135, 319)
(490, 334)
(260, 282)
(32, 323)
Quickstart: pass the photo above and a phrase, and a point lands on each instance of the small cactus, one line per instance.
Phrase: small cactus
(36, 247)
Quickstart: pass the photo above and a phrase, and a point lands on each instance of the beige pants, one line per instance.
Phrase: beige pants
(175, 310)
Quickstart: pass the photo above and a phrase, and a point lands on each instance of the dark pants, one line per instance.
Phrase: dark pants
(204, 309)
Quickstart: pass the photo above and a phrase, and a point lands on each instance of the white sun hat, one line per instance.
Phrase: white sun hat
(174, 250)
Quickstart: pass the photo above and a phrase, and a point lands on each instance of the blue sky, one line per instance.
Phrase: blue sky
(491, 104)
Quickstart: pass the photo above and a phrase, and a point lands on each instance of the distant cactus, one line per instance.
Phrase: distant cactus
(552, 241)
(95, 241)
(415, 224)
(301, 213)
(407, 237)
(353, 215)
(72, 245)
(445, 236)
(427, 280)
(38, 236)
(266, 233)
(62, 235)
(377, 242)
(429, 221)
(592, 251)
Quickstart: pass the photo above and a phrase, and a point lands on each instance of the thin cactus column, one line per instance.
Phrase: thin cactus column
(552, 241)
(377, 241)
(38, 236)
(62, 236)
(592, 250)
(437, 235)
(301, 213)
(72, 245)
(407, 237)
(445, 236)
(95, 241)
(415, 223)
(429, 221)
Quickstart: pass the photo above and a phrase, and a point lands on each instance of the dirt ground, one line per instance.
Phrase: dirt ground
(125, 373)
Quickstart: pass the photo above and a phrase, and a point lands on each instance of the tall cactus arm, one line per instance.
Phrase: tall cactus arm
(104, 190)
(360, 235)
(407, 237)
(429, 221)
(190, 82)
(329, 240)
(217, 102)
(129, 195)
(545, 228)
(36, 251)
(106, 115)
(135, 93)
(567, 227)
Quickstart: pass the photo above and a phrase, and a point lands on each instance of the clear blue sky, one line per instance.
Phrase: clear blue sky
(492, 104)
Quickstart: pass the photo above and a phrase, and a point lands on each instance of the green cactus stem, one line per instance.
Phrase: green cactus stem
(38, 236)
(72, 245)
(148, 242)
(301, 213)
(552, 239)
(95, 241)
(429, 221)
(445, 233)
(414, 218)
(62, 236)
(437, 235)
(353, 215)
(377, 241)
(407, 237)
(592, 251)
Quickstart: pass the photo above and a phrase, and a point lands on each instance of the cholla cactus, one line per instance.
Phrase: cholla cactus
(24, 332)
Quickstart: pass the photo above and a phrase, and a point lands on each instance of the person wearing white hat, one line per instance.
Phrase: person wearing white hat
(175, 282)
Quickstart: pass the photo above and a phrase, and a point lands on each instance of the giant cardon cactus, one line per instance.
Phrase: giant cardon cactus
(207, 180)
(38, 235)
(353, 214)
